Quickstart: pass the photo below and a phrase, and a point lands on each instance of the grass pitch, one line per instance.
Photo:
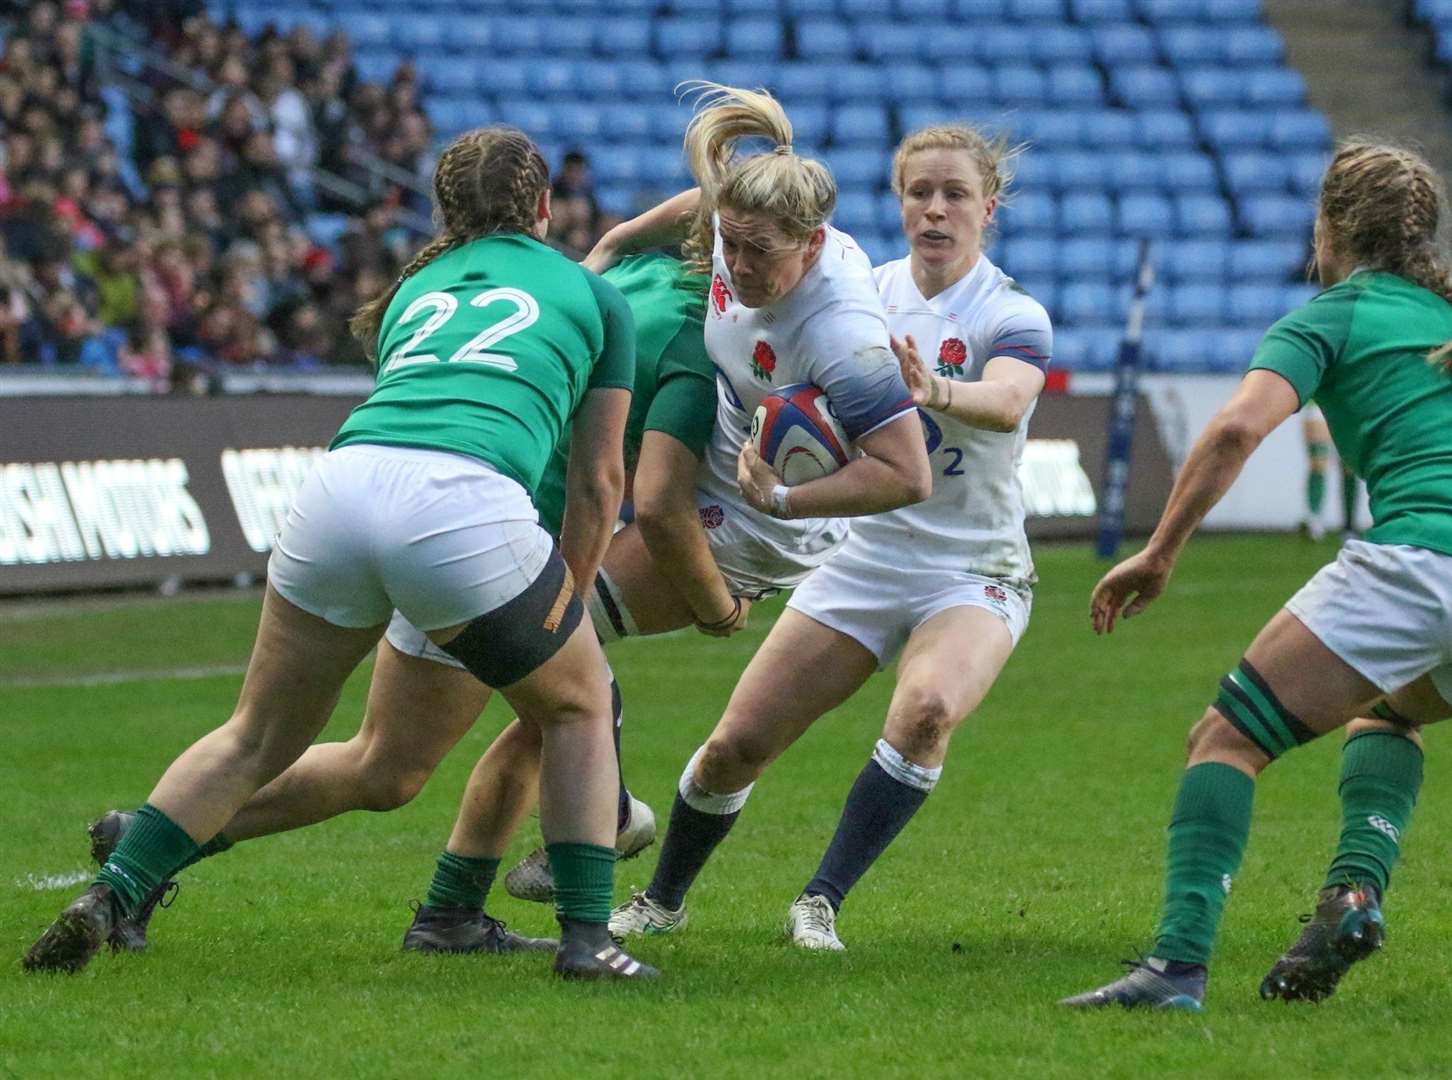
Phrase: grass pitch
(1032, 869)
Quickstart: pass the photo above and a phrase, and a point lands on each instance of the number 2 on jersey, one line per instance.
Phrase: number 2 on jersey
(476, 349)
(952, 469)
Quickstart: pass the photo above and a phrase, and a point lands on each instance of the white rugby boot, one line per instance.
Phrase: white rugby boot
(642, 915)
(812, 924)
(531, 878)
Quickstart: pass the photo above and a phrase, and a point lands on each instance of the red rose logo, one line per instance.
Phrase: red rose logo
(720, 295)
(712, 516)
(763, 361)
(951, 355)
(996, 594)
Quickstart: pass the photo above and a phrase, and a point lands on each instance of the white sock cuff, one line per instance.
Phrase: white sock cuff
(698, 798)
(608, 613)
(902, 770)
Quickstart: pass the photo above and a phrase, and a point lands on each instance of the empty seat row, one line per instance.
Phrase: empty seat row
(1222, 14)
(1097, 302)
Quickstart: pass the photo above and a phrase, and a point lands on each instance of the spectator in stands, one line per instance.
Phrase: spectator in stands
(576, 221)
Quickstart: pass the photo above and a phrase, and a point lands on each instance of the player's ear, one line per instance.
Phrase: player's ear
(815, 241)
(542, 214)
(989, 209)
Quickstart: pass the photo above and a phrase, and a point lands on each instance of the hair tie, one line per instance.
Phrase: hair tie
(783, 148)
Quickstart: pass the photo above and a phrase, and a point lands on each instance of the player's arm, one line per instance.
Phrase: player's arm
(1264, 400)
(663, 225)
(1012, 379)
(595, 474)
(866, 389)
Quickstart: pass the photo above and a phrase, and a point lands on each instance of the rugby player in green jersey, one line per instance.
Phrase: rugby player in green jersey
(490, 347)
(421, 701)
(1368, 641)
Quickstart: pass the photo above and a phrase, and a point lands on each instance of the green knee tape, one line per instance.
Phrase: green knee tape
(1254, 710)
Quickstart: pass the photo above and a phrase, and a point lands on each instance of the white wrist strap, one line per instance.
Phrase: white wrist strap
(779, 507)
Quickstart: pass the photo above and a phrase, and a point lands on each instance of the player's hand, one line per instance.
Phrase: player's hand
(756, 477)
(1128, 589)
(914, 372)
(603, 255)
(735, 626)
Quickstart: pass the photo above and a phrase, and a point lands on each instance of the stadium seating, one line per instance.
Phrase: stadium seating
(1172, 120)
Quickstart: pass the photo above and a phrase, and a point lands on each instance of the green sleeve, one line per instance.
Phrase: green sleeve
(615, 367)
(1303, 345)
(684, 406)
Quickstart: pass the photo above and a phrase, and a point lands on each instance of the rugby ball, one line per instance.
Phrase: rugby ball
(797, 435)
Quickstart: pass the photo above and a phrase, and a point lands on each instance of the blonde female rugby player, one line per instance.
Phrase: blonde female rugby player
(488, 344)
(1370, 635)
(945, 583)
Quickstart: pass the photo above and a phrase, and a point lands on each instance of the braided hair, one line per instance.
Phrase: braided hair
(488, 180)
(1382, 205)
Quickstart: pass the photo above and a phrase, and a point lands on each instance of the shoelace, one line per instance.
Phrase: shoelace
(815, 917)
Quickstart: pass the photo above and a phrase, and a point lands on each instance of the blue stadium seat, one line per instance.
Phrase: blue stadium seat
(1089, 302)
(1077, 169)
(1277, 215)
(448, 76)
(1275, 87)
(803, 82)
(1047, 11)
(754, 39)
(615, 164)
(1105, 127)
(1129, 170)
(668, 122)
(823, 39)
(621, 199)
(1249, 171)
(1020, 84)
(501, 78)
(924, 9)
(987, 10)
(577, 121)
(889, 213)
(1267, 260)
(810, 123)
(740, 7)
(1036, 170)
(912, 117)
(1306, 170)
(534, 118)
(602, 80)
(1201, 215)
(1031, 211)
(726, 71)
(623, 35)
(1146, 214)
(909, 82)
(1163, 129)
(887, 41)
(1172, 11)
(1101, 11)
(1032, 256)
(685, 37)
(664, 167)
(1189, 170)
(1255, 305)
(963, 85)
(954, 45)
(1252, 45)
(1193, 45)
(1075, 84)
(624, 123)
(1197, 304)
(1086, 212)
(375, 67)
(856, 168)
(865, 9)
(1233, 11)
(1293, 296)
(1195, 260)
(859, 83)
(644, 79)
(1043, 289)
(859, 124)
(1144, 86)
(516, 38)
(1303, 129)
(1100, 348)
(1213, 87)
(450, 116)
(1228, 129)
(1089, 257)
(546, 77)
(1122, 43)
(421, 31)
(856, 212)
(369, 31)
(570, 37)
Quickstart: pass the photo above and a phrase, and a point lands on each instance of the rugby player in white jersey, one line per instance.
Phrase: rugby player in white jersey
(944, 584)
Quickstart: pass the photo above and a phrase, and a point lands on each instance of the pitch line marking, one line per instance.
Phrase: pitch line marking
(116, 678)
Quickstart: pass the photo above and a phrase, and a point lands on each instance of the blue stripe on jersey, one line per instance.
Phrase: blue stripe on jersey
(1026, 353)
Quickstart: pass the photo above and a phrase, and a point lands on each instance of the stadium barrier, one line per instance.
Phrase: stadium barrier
(98, 492)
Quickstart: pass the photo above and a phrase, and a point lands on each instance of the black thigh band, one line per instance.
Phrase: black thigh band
(1382, 710)
(1254, 710)
(502, 646)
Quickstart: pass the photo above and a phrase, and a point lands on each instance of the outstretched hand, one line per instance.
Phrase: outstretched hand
(914, 372)
(1127, 590)
(756, 477)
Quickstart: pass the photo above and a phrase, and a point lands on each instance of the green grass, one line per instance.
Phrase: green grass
(1034, 868)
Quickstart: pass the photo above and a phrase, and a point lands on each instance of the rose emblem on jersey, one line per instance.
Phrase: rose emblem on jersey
(996, 594)
(720, 295)
(763, 361)
(712, 517)
(951, 356)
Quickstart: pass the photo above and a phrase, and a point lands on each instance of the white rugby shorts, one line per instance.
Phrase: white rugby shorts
(879, 603)
(441, 537)
(751, 550)
(1386, 609)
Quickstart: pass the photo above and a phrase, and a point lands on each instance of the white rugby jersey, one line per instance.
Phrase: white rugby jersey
(973, 520)
(830, 330)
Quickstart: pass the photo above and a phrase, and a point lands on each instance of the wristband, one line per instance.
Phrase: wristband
(779, 505)
(721, 624)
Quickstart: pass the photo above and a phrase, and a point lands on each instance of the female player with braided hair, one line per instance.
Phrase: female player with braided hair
(487, 346)
(1370, 635)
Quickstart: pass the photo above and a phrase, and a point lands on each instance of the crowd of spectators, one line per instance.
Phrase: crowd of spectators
(171, 240)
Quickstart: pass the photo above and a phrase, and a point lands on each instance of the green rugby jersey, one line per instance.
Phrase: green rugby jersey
(675, 382)
(1360, 350)
(488, 350)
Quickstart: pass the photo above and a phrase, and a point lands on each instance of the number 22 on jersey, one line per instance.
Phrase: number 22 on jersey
(442, 307)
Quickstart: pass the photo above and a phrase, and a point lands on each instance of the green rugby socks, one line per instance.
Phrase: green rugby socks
(584, 881)
(1315, 491)
(461, 882)
(1208, 831)
(153, 849)
(1381, 773)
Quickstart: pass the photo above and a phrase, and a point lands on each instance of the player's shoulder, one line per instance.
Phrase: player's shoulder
(1005, 298)
(889, 276)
